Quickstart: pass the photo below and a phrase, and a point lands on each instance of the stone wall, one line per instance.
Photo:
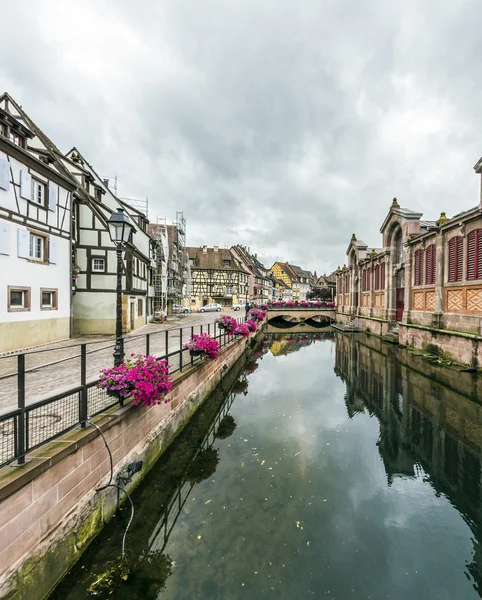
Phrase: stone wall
(464, 348)
(370, 324)
(49, 508)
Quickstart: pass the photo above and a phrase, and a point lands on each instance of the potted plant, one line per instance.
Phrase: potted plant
(242, 329)
(144, 378)
(251, 325)
(255, 314)
(227, 323)
(203, 345)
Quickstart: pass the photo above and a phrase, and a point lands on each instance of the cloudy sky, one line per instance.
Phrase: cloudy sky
(285, 126)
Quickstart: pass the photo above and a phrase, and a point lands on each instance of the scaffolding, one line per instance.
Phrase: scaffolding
(161, 268)
(139, 204)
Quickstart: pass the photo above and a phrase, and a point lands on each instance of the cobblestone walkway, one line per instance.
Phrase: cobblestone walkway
(54, 368)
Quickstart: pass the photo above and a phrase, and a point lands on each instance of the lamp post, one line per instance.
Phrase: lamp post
(120, 229)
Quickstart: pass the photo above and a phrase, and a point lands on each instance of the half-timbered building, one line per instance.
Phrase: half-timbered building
(216, 276)
(94, 297)
(35, 234)
(260, 283)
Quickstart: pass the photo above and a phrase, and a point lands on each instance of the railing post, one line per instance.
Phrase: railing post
(83, 383)
(209, 328)
(148, 344)
(180, 349)
(201, 329)
(167, 345)
(192, 333)
(21, 407)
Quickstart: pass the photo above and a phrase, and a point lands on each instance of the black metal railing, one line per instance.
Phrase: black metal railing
(34, 421)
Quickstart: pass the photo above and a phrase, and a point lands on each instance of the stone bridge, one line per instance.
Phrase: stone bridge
(310, 316)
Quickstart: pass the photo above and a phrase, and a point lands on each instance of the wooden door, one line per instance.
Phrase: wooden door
(399, 304)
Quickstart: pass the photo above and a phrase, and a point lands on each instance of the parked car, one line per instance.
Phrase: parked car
(178, 309)
(214, 307)
(240, 305)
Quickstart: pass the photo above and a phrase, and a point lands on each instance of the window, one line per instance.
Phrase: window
(418, 270)
(98, 195)
(456, 258)
(139, 307)
(191, 262)
(38, 192)
(430, 259)
(474, 255)
(18, 140)
(366, 280)
(98, 265)
(36, 247)
(48, 299)
(398, 247)
(18, 299)
(226, 263)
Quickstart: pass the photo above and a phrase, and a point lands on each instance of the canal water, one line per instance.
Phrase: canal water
(337, 467)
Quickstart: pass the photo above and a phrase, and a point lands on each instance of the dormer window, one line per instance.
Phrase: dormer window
(18, 140)
(98, 195)
(226, 263)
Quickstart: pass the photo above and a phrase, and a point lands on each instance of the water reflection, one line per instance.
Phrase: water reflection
(430, 423)
(283, 344)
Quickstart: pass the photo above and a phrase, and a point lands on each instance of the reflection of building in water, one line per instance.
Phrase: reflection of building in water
(292, 342)
(423, 424)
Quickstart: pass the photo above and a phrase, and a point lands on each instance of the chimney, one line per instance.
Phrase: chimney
(106, 182)
(216, 248)
(205, 249)
(478, 170)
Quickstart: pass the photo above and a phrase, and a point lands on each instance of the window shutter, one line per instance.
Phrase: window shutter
(25, 184)
(4, 174)
(52, 198)
(430, 265)
(418, 267)
(471, 248)
(23, 243)
(5, 238)
(456, 258)
(382, 277)
(53, 251)
(478, 249)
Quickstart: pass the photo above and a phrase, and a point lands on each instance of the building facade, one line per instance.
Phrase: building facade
(424, 283)
(94, 297)
(216, 275)
(260, 283)
(35, 235)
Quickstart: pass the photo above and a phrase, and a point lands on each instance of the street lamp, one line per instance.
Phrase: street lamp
(120, 229)
(246, 288)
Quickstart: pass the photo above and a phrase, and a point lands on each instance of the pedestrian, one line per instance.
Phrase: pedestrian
(247, 309)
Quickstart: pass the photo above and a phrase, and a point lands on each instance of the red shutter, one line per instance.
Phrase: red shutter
(377, 277)
(382, 277)
(368, 279)
(471, 255)
(418, 268)
(456, 258)
(430, 265)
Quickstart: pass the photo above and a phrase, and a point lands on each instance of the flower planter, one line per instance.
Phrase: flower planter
(221, 325)
(196, 352)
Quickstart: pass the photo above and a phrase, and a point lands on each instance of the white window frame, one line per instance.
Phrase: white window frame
(32, 250)
(26, 299)
(38, 192)
(96, 270)
(53, 299)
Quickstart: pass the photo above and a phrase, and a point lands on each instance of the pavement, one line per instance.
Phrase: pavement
(54, 368)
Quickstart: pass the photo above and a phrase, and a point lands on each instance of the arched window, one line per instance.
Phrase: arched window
(398, 247)
(456, 258)
(430, 260)
(474, 255)
(418, 268)
(382, 276)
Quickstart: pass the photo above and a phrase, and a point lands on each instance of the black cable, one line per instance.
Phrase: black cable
(114, 485)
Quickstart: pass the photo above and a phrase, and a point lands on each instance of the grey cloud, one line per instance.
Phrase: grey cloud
(286, 127)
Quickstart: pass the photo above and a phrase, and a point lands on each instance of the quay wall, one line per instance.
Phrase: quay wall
(465, 348)
(49, 508)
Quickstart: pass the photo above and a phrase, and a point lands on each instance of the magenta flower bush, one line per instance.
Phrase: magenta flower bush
(251, 325)
(290, 304)
(255, 314)
(242, 329)
(204, 345)
(263, 307)
(304, 304)
(227, 323)
(144, 378)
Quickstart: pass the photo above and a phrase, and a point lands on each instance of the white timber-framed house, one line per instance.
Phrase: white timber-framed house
(35, 234)
(94, 298)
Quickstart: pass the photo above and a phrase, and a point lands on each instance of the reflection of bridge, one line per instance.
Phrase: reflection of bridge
(290, 328)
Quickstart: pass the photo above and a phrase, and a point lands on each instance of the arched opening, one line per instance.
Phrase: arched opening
(397, 288)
